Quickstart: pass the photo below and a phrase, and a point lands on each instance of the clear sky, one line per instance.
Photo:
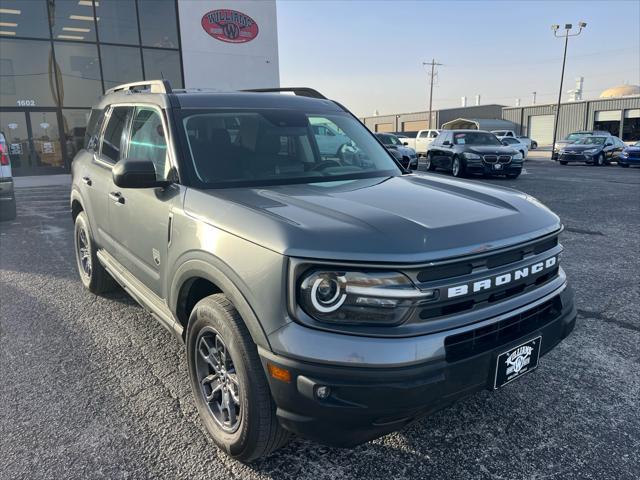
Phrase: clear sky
(369, 54)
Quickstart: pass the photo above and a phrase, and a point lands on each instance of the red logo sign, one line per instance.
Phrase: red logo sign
(230, 26)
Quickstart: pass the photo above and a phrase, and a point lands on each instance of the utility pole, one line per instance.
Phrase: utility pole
(432, 76)
(566, 36)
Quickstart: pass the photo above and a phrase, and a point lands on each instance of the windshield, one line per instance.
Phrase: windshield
(637, 144)
(268, 147)
(591, 141)
(389, 140)
(475, 138)
(576, 136)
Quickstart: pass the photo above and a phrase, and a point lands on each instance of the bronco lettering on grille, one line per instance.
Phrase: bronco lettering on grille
(500, 280)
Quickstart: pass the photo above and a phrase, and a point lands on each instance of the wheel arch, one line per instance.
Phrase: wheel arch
(197, 278)
(76, 203)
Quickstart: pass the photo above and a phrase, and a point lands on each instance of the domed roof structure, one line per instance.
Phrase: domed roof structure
(621, 91)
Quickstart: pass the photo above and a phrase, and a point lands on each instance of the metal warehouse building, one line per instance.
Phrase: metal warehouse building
(619, 116)
(411, 122)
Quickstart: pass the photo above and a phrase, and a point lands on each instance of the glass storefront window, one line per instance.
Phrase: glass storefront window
(80, 74)
(120, 65)
(14, 127)
(46, 139)
(158, 24)
(72, 20)
(118, 22)
(24, 19)
(160, 64)
(74, 127)
(26, 78)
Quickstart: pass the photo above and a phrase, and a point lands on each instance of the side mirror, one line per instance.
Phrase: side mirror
(131, 173)
(406, 144)
(446, 143)
(506, 144)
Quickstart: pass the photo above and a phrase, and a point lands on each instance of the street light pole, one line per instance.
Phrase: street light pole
(566, 36)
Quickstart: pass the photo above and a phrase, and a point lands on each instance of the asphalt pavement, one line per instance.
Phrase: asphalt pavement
(93, 387)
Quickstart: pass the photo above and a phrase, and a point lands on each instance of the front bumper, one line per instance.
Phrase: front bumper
(368, 402)
(510, 168)
(576, 157)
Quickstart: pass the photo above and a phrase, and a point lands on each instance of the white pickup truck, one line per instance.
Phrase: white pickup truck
(531, 144)
(419, 141)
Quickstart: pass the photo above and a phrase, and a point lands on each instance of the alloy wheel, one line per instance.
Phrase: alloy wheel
(219, 384)
(84, 251)
(456, 167)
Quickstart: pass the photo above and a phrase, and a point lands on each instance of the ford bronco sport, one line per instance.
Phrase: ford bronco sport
(334, 295)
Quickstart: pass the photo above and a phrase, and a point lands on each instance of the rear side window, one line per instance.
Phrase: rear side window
(112, 139)
(93, 128)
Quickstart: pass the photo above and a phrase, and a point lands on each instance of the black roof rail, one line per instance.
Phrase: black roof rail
(298, 91)
(147, 86)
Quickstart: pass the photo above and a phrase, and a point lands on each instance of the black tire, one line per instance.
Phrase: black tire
(534, 145)
(599, 161)
(563, 162)
(624, 165)
(429, 164)
(256, 431)
(8, 211)
(458, 171)
(95, 278)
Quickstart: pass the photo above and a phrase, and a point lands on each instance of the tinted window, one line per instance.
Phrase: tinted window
(72, 20)
(22, 64)
(158, 24)
(475, 138)
(120, 65)
(148, 141)
(93, 125)
(433, 134)
(118, 22)
(278, 146)
(80, 74)
(591, 141)
(423, 134)
(163, 64)
(112, 138)
(26, 19)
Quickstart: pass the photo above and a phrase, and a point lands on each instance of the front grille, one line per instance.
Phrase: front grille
(483, 339)
(497, 159)
(634, 155)
(465, 267)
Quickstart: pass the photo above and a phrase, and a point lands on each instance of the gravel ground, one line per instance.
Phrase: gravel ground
(93, 387)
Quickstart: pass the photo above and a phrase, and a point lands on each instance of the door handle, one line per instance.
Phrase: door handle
(87, 181)
(117, 197)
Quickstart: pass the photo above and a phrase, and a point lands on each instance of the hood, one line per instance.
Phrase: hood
(410, 218)
(632, 148)
(402, 149)
(488, 150)
(582, 148)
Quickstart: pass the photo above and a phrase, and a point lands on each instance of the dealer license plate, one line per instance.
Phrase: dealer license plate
(516, 362)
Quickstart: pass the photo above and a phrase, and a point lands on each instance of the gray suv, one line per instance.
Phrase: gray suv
(333, 295)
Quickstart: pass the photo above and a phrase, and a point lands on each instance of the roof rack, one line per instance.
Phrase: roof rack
(147, 86)
(298, 91)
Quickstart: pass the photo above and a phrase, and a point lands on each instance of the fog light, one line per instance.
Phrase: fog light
(323, 392)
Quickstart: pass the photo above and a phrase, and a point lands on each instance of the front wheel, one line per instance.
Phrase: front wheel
(624, 165)
(457, 168)
(429, 164)
(92, 274)
(563, 162)
(534, 145)
(228, 382)
(599, 161)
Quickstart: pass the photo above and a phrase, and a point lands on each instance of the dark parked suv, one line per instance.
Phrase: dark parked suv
(334, 295)
(473, 151)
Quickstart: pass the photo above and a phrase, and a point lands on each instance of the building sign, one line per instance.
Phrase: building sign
(229, 26)
(47, 147)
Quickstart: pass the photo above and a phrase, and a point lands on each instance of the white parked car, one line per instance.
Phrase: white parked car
(531, 144)
(421, 141)
(329, 139)
(517, 144)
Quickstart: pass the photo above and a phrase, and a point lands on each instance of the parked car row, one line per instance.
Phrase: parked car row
(502, 134)
(419, 140)
(574, 137)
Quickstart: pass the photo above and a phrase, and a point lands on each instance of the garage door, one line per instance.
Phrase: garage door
(541, 129)
(414, 126)
(384, 127)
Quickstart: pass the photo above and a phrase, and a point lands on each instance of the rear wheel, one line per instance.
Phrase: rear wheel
(92, 274)
(534, 145)
(228, 382)
(458, 168)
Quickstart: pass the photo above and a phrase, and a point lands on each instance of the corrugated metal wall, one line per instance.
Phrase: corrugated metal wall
(573, 116)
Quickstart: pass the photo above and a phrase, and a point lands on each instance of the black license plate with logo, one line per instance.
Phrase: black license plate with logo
(516, 362)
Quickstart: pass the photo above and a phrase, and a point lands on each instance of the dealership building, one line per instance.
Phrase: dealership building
(57, 57)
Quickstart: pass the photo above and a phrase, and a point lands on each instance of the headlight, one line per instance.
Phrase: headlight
(591, 151)
(471, 156)
(360, 298)
(555, 147)
(517, 156)
(624, 154)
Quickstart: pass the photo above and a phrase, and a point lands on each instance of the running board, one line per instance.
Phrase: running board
(140, 293)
